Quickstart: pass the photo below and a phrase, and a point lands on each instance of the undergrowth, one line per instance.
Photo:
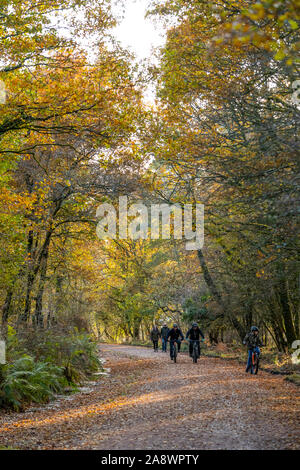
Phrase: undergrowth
(41, 364)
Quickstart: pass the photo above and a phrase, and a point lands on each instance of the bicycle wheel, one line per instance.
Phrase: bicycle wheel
(256, 365)
(175, 353)
(195, 353)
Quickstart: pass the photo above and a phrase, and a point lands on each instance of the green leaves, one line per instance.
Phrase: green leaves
(62, 361)
(26, 380)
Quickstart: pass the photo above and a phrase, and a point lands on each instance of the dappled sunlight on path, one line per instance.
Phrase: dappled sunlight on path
(148, 402)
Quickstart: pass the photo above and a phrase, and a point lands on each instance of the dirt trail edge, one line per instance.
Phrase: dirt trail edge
(147, 402)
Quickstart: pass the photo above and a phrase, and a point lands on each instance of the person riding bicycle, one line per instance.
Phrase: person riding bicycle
(174, 334)
(253, 342)
(194, 334)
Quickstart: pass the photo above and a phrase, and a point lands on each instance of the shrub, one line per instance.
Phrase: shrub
(43, 362)
(25, 381)
(83, 359)
(76, 353)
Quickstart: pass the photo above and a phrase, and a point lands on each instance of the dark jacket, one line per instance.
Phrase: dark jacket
(194, 334)
(164, 332)
(174, 334)
(252, 340)
(155, 334)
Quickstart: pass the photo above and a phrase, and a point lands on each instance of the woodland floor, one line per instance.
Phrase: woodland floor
(147, 402)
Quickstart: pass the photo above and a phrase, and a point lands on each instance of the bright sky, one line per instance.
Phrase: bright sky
(135, 32)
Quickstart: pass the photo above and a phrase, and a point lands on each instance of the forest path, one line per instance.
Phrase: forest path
(147, 402)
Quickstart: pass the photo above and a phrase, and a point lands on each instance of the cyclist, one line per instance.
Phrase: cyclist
(194, 333)
(253, 342)
(176, 336)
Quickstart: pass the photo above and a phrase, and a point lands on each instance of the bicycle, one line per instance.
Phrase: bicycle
(254, 362)
(175, 351)
(195, 353)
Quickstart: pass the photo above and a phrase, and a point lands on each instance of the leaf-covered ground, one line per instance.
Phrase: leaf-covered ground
(147, 402)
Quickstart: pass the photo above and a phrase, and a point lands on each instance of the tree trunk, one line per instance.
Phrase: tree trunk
(217, 296)
(41, 287)
(27, 310)
(286, 312)
(249, 310)
(43, 275)
(30, 279)
(6, 307)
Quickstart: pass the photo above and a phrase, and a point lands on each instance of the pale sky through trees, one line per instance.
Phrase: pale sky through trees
(135, 32)
(138, 34)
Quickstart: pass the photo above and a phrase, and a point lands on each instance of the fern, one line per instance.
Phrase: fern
(27, 381)
(45, 364)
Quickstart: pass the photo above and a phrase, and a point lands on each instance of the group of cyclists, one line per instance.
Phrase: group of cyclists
(194, 334)
(175, 336)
